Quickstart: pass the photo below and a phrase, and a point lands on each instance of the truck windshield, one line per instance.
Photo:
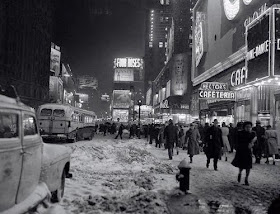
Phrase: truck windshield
(46, 112)
(58, 113)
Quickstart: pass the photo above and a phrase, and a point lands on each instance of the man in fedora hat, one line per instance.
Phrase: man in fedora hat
(213, 144)
(259, 145)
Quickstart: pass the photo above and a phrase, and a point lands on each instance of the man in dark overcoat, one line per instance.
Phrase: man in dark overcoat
(214, 144)
(171, 136)
(259, 146)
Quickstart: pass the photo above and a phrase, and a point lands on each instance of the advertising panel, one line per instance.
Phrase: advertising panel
(121, 98)
(276, 50)
(124, 75)
(56, 89)
(170, 42)
(145, 111)
(87, 82)
(149, 97)
(122, 114)
(180, 78)
(55, 60)
(128, 62)
(225, 26)
(258, 46)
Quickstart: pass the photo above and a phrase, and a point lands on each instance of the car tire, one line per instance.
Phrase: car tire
(58, 194)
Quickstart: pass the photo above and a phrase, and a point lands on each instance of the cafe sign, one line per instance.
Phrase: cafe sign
(215, 90)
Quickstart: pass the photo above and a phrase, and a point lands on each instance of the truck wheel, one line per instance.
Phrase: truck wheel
(58, 194)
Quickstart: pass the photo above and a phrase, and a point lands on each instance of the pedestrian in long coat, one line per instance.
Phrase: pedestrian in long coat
(192, 139)
(259, 146)
(171, 136)
(243, 157)
(214, 144)
(225, 133)
(271, 144)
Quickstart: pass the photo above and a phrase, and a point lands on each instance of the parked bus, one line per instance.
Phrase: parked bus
(65, 122)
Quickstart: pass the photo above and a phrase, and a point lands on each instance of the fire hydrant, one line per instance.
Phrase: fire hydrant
(184, 175)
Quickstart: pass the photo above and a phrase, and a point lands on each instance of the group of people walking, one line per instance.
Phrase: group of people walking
(216, 141)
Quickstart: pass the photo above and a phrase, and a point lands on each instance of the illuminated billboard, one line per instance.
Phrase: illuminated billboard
(55, 89)
(124, 75)
(55, 59)
(258, 45)
(180, 79)
(219, 30)
(121, 114)
(121, 99)
(87, 82)
(128, 62)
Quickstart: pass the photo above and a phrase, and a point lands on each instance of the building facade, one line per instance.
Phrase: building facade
(236, 45)
(25, 48)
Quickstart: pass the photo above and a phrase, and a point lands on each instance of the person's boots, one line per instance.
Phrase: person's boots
(226, 159)
(246, 181)
(191, 159)
(208, 162)
(239, 178)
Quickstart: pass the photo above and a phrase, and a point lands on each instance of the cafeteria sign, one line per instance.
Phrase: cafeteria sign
(216, 91)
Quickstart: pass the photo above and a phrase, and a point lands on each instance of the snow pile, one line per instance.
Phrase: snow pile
(142, 202)
(115, 176)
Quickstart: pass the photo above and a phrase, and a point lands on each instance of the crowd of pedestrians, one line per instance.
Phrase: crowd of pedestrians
(218, 141)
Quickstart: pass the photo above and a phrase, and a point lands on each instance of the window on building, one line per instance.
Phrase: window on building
(161, 19)
(166, 19)
(165, 44)
(150, 44)
(160, 44)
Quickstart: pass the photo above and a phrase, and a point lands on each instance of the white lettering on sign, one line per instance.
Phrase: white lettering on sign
(221, 95)
(214, 86)
(255, 15)
(238, 77)
(259, 50)
(128, 63)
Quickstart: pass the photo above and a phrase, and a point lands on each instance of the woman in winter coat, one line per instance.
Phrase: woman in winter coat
(271, 143)
(225, 133)
(192, 139)
(243, 157)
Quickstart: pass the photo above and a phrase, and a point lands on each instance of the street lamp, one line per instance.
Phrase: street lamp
(139, 105)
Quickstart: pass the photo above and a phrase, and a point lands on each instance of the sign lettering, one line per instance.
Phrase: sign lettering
(214, 86)
(238, 77)
(259, 50)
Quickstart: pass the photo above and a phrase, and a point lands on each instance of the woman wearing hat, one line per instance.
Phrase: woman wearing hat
(243, 156)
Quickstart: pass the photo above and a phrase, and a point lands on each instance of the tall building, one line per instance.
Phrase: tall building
(158, 22)
(182, 18)
(25, 48)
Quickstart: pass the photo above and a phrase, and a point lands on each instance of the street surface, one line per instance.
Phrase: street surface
(132, 176)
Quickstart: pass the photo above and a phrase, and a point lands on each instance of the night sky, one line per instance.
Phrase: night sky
(90, 44)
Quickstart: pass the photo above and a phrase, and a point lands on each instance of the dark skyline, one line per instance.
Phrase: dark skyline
(90, 42)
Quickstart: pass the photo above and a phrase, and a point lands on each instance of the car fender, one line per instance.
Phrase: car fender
(56, 158)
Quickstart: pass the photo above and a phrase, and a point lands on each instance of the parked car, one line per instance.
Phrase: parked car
(30, 171)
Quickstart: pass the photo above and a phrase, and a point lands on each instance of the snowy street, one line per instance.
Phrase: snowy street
(132, 176)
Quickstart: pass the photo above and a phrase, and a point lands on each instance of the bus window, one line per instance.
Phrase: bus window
(58, 113)
(46, 112)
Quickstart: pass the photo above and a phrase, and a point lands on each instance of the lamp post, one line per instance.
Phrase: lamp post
(139, 104)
